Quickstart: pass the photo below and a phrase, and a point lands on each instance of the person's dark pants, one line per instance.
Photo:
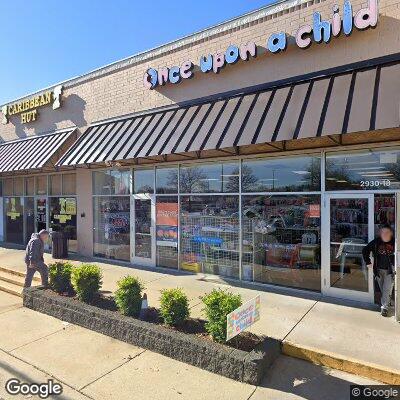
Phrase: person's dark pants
(43, 271)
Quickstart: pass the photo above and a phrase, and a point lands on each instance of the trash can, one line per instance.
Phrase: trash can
(59, 247)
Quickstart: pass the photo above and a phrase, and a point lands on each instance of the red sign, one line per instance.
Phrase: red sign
(315, 211)
(167, 214)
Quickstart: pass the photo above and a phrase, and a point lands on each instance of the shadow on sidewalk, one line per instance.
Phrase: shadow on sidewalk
(24, 378)
(308, 381)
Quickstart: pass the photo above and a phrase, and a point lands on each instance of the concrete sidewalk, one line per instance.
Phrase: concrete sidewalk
(36, 347)
(337, 334)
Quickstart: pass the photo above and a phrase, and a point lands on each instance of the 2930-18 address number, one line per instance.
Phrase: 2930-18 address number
(375, 183)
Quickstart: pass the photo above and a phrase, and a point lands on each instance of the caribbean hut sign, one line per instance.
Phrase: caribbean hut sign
(319, 31)
(27, 109)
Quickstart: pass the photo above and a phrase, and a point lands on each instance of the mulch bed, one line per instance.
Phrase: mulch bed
(245, 341)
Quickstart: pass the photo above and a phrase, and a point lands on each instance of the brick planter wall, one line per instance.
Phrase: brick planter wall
(235, 364)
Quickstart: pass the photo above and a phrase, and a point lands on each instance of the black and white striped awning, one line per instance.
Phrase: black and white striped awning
(342, 101)
(32, 153)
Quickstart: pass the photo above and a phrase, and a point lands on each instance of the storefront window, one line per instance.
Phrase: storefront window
(63, 218)
(120, 181)
(289, 174)
(373, 170)
(167, 180)
(41, 185)
(101, 182)
(143, 181)
(384, 211)
(69, 184)
(210, 234)
(167, 231)
(281, 240)
(8, 189)
(19, 186)
(112, 227)
(14, 212)
(55, 184)
(209, 178)
(30, 186)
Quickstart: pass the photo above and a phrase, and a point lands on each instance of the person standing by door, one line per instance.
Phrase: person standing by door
(382, 251)
(34, 258)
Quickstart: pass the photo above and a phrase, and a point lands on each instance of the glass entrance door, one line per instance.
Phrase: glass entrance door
(14, 212)
(41, 214)
(143, 209)
(348, 227)
(29, 215)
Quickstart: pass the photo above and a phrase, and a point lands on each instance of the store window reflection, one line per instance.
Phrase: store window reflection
(143, 181)
(102, 182)
(120, 181)
(8, 188)
(167, 180)
(209, 178)
(210, 234)
(289, 174)
(281, 240)
(372, 170)
(18, 186)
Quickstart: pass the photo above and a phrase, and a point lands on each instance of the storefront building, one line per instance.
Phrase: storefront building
(265, 149)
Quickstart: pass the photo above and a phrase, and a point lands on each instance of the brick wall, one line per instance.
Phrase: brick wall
(122, 91)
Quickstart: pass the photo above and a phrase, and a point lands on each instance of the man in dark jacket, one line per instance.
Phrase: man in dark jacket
(34, 258)
(382, 250)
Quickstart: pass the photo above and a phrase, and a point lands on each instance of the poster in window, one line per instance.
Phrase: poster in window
(70, 206)
(167, 224)
(315, 211)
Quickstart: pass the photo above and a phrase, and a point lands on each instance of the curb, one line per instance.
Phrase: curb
(335, 361)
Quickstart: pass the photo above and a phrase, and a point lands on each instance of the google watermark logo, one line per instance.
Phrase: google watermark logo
(43, 390)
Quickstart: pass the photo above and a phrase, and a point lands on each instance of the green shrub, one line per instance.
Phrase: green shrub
(128, 296)
(60, 277)
(174, 306)
(86, 281)
(218, 304)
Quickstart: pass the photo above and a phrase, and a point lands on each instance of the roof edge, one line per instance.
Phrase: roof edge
(222, 27)
(31, 137)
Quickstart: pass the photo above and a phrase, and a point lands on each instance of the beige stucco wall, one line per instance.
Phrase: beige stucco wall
(122, 92)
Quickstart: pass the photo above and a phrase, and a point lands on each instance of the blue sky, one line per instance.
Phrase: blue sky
(44, 42)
